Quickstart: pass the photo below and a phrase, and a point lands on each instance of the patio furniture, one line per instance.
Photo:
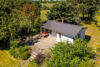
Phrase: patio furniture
(44, 34)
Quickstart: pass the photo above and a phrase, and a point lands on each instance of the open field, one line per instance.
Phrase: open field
(6, 60)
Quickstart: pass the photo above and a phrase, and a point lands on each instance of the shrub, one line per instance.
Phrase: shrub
(24, 55)
(89, 63)
(13, 48)
(13, 52)
(33, 64)
(14, 44)
(39, 58)
(21, 52)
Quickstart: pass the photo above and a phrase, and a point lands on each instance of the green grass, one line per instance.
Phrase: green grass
(6, 60)
(33, 64)
(43, 16)
(94, 33)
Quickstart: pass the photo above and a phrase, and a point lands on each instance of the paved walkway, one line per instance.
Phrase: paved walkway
(42, 46)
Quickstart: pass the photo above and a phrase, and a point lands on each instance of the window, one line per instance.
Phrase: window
(79, 35)
(59, 35)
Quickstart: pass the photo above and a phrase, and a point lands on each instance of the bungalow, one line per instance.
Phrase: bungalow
(63, 31)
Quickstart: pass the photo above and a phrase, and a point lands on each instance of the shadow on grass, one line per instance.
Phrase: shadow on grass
(86, 20)
(87, 38)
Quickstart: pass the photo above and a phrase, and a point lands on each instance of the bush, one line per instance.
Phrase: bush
(89, 63)
(24, 55)
(21, 52)
(13, 51)
(33, 64)
(39, 58)
(14, 44)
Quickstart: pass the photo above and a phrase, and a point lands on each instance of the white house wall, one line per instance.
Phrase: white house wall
(64, 38)
(58, 39)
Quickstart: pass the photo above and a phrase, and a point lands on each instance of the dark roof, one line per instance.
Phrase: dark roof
(63, 28)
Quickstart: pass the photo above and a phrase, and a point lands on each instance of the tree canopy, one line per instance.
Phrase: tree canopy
(14, 21)
(97, 18)
(73, 11)
(61, 10)
(68, 55)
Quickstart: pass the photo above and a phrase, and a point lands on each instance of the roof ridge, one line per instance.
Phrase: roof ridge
(65, 23)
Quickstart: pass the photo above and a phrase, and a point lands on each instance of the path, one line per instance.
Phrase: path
(42, 45)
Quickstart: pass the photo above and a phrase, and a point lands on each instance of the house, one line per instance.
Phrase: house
(63, 31)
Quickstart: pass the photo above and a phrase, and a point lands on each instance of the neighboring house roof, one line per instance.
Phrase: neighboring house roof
(63, 28)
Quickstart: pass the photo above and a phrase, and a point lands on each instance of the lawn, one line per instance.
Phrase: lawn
(33, 64)
(94, 42)
(94, 34)
(6, 60)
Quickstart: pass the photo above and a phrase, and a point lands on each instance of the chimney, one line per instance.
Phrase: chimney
(62, 20)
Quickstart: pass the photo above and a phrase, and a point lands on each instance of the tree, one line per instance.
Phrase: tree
(85, 7)
(25, 27)
(68, 55)
(11, 19)
(31, 11)
(61, 10)
(97, 18)
(13, 4)
(13, 24)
